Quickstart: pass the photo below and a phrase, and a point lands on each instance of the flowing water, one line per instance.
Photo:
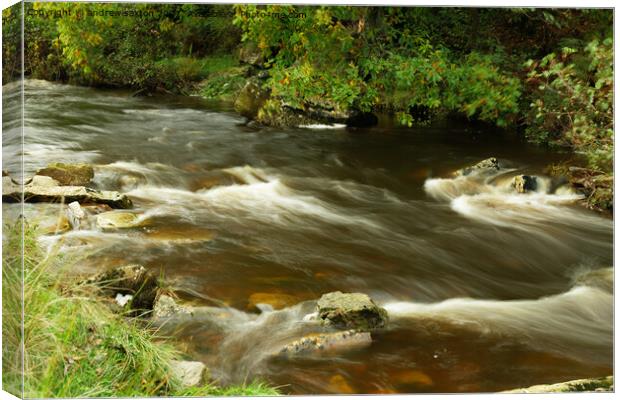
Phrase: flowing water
(486, 289)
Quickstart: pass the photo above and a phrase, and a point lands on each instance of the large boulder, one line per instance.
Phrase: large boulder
(336, 341)
(487, 165)
(604, 384)
(133, 280)
(251, 99)
(46, 189)
(69, 174)
(351, 310)
(524, 183)
(189, 373)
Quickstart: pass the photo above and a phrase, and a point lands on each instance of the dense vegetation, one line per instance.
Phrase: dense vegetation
(546, 72)
(74, 345)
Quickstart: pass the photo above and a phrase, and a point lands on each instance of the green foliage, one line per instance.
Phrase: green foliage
(365, 58)
(224, 77)
(474, 86)
(144, 46)
(572, 101)
(74, 345)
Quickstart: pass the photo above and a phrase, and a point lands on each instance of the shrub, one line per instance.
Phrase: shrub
(572, 101)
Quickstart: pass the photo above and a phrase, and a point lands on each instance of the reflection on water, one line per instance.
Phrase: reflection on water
(484, 286)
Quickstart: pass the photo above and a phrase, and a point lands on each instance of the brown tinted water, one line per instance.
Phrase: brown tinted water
(481, 284)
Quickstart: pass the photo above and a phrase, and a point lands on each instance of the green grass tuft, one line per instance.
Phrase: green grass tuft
(75, 346)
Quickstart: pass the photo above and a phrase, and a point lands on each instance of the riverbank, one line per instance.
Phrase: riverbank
(546, 74)
(75, 345)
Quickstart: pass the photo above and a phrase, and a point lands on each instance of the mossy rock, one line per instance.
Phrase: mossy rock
(601, 199)
(69, 174)
(524, 183)
(604, 384)
(251, 99)
(351, 311)
(487, 165)
(274, 113)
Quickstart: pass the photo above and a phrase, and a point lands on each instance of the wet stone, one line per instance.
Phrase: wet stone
(524, 183)
(189, 373)
(351, 310)
(488, 165)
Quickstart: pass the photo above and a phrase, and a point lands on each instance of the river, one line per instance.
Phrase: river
(486, 289)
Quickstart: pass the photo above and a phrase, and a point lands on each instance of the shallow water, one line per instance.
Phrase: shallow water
(484, 286)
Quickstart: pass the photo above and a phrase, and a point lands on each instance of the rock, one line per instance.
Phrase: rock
(180, 234)
(488, 165)
(337, 341)
(251, 54)
(42, 181)
(524, 183)
(131, 181)
(579, 385)
(117, 220)
(351, 310)
(411, 377)
(46, 189)
(96, 209)
(602, 278)
(251, 99)
(275, 300)
(189, 373)
(132, 280)
(166, 307)
(54, 225)
(69, 174)
(75, 214)
(339, 385)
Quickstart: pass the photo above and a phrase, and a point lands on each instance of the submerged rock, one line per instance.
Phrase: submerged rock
(605, 384)
(54, 224)
(45, 189)
(69, 174)
(351, 310)
(488, 165)
(117, 220)
(337, 341)
(134, 280)
(276, 300)
(338, 384)
(524, 183)
(602, 278)
(189, 373)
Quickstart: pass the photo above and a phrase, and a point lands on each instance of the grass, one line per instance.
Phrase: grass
(74, 345)
(189, 69)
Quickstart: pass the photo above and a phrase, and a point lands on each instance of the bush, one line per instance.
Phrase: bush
(572, 101)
